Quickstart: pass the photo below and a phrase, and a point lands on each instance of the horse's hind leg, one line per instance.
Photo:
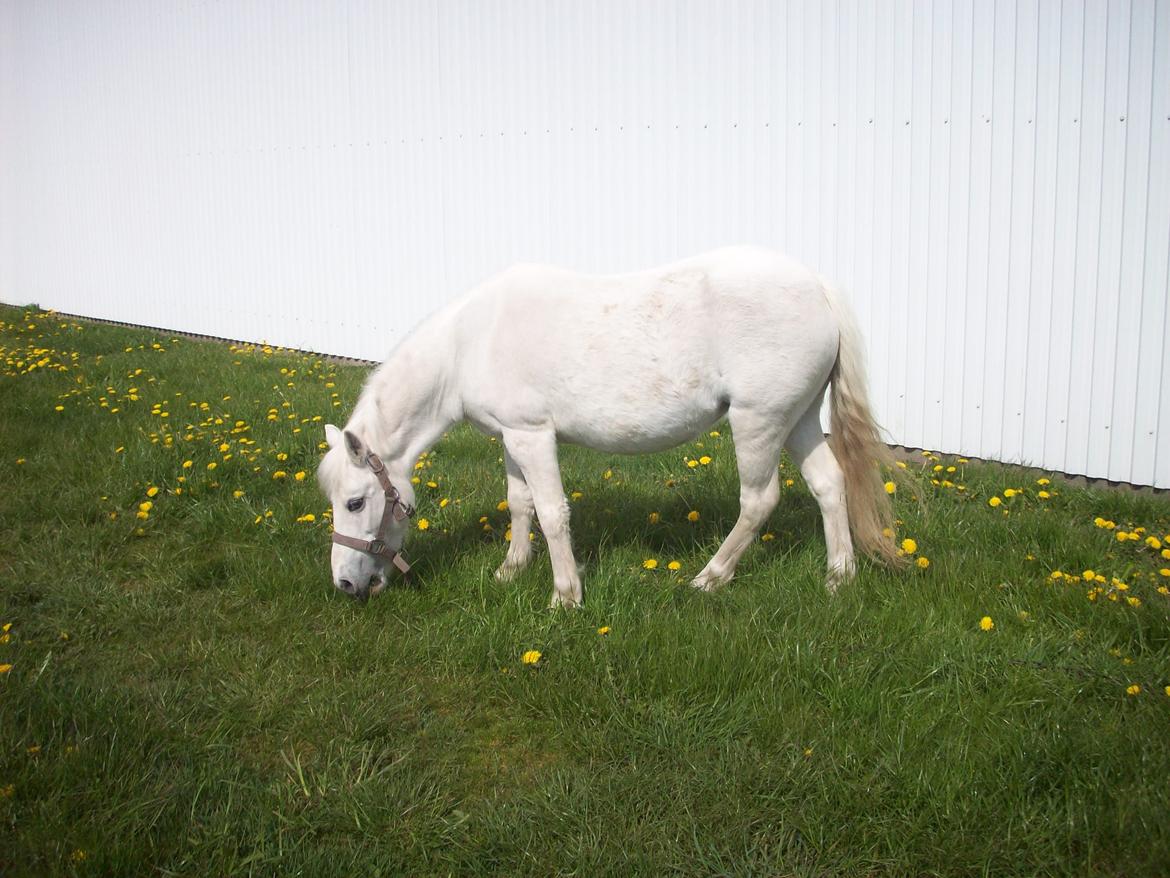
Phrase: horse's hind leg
(521, 507)
(759, 436)
(826, 481)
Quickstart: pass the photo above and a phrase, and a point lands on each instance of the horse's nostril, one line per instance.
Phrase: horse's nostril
(345, 585)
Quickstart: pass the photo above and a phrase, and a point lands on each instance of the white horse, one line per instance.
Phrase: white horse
(623, 363)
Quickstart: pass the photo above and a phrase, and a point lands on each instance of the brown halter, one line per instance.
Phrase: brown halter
(394, 508)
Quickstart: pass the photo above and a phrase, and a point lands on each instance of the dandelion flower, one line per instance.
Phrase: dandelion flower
(909, 546)
(768, 537)
(1009, 492)
(650, 563)
(531, 657)
(1043, 495)
(280, 474)
(603, 630)
(212, 465)
(693, 515)
(502, 506)
(576, 495)
(1133, 689)
(674, 565)
(300, 476)
(152, 491)
(692, 463)
(654, 518)
(4, 669)
(923, 562)
(608, 474)
(187, 464)
(986, 624)
(891, 488)
(1164, 571)
(423, 524)
(704, 460)
(994, 501)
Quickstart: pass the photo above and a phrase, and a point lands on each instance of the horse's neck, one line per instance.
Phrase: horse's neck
(410, 400)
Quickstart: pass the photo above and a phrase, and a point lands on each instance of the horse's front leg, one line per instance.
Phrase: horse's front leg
(535, 452)
(521, 508)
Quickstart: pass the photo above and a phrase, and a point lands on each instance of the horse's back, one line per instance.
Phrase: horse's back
(647, 359)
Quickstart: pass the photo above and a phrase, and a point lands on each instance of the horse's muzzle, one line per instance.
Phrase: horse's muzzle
(360, 591)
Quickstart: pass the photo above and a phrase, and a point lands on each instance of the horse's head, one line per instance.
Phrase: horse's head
(369, 513)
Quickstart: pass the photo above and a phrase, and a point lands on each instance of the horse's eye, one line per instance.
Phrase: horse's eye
(355, 504)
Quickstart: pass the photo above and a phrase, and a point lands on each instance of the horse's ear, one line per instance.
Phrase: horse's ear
(332, 436)
(356, 448)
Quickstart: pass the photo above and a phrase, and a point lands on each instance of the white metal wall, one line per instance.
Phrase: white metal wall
(990, 180)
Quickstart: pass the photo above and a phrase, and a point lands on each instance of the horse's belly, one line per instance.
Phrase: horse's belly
(639, 425)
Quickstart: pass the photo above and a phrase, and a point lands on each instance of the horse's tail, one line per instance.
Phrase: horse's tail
(856, 441)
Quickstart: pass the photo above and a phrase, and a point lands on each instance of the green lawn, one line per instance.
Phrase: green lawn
(188, 695)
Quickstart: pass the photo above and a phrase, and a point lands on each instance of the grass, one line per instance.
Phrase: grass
(188, 695)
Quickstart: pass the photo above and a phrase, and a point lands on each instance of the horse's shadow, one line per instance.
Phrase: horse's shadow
(620, 518)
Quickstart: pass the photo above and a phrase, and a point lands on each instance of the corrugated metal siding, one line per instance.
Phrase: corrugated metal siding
(990, 180)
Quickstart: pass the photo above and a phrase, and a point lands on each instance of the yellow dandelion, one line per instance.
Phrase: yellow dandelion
(891, 488)
(674, 565)
(300, 476)
(502, 506)
(692, 463)
(532, 657)
(212, 465)
(145, 506)
(187, 464)
(152, 491)
(986, 624)
(443, 503)
(654, 518)
(576, 495)
(1133, 689)
(923, 563)
(423, 524)
(1164, 571)
(1043, 495)
(603, 630)
(4, 669)
(608, 474)
(714, 434)
(693, 515)
(994, 501)
(280, 474)
(704, 460)
(237, 493)
(1043, 482)
(768, 537)
(1153, 542)
(909, 546)
(1088, 576)
(650, 563)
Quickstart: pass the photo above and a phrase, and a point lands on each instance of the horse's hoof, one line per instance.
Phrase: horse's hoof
(707, 582)
(560, 602)
(505, 573)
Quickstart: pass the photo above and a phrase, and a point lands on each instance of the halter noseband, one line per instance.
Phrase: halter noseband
(394, 508)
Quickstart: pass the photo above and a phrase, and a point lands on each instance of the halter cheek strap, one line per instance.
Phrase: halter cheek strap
(394, 509)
